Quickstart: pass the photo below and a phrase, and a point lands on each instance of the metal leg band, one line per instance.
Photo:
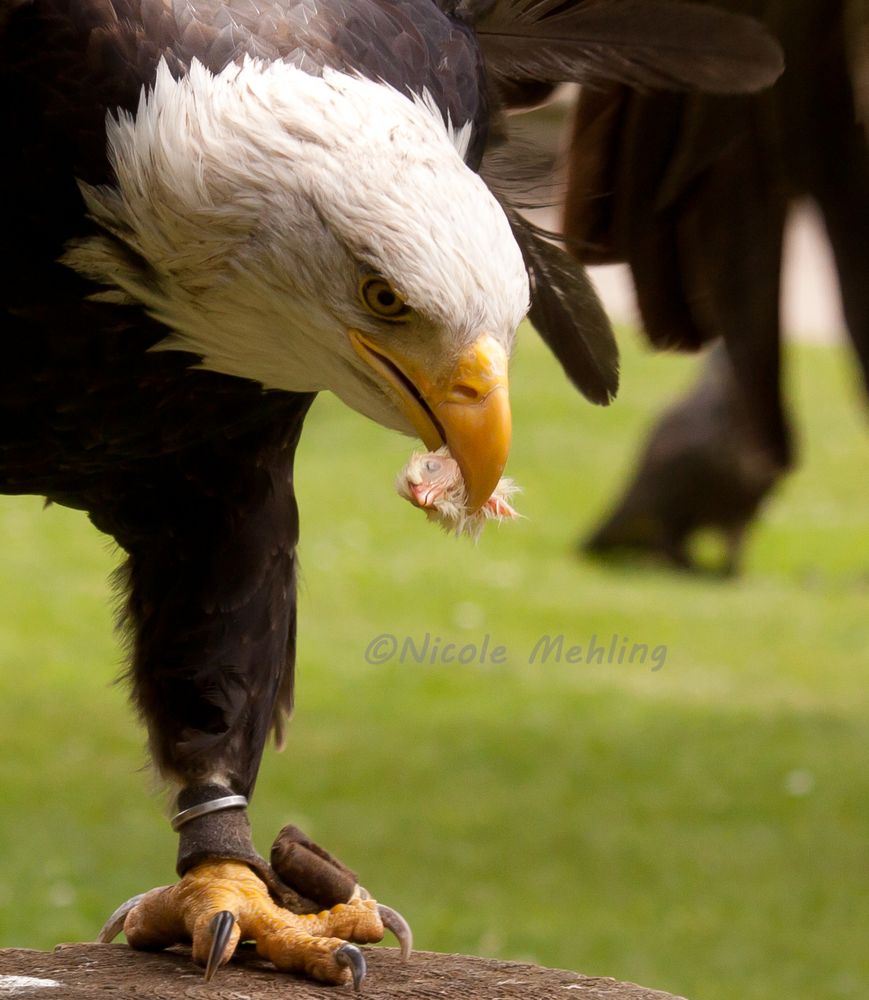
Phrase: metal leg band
(203, 808)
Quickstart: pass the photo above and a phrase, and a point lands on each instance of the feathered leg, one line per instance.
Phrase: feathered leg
(211, 609)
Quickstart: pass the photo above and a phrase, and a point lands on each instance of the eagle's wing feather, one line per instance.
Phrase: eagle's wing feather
(568, 315)
(649, 43)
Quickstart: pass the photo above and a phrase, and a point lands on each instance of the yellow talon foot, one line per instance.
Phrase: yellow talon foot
(219, 903)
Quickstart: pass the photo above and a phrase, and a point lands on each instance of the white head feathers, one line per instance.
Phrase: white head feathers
(255, 196)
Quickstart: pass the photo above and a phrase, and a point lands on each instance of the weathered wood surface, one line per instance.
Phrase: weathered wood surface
(94, 971)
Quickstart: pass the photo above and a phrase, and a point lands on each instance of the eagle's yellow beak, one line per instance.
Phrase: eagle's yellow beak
(468, 409)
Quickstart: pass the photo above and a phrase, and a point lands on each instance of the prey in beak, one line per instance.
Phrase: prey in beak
(467, 409)
(433, 482)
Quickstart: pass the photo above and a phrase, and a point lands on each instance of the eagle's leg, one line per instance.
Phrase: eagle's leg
(211, 539)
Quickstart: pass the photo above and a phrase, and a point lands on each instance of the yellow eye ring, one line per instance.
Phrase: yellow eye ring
(382, 300)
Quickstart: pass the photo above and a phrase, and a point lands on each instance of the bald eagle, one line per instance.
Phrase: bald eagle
(216, 209)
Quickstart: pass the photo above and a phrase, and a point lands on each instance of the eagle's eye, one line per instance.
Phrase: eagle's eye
(382, 300)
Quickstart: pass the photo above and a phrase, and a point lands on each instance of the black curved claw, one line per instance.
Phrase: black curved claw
(115, 924)
(350, 956)
(221, 928)
(393, 921)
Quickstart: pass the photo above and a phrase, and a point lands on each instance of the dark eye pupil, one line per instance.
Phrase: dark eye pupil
(386, 298)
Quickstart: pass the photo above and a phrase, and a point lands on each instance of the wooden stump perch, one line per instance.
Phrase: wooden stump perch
(92, 971)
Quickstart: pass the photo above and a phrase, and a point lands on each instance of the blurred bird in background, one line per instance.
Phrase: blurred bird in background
(693, 191)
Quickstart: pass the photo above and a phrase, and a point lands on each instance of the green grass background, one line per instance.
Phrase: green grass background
(703, 828)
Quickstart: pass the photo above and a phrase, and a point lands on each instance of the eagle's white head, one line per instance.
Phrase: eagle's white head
(318, 232)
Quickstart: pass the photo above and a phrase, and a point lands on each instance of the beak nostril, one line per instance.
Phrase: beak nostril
(466, 392)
